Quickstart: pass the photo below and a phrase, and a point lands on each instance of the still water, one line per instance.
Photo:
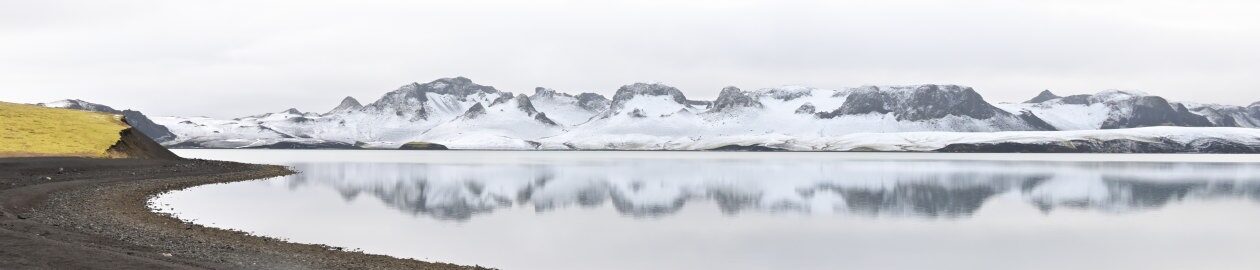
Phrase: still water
(732, 210)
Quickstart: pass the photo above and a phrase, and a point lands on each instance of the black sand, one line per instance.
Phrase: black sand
(81, 213)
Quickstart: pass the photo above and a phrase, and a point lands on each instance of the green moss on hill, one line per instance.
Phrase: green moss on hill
(28, 130)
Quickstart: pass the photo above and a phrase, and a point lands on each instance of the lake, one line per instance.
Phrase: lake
(750, 210)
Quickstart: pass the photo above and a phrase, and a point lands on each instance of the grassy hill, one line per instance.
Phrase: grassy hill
(28, 130)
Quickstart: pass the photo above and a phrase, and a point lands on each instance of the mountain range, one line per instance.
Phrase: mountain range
(460, 114)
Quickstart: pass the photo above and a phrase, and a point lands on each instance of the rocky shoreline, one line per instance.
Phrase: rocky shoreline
(82, 213)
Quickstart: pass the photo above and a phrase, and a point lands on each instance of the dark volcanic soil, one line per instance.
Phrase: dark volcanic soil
(80, 213)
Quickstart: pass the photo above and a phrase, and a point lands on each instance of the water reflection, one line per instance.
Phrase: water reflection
(656, 188)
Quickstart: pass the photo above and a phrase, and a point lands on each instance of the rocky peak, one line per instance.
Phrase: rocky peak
(786, 93)
(732, 97)
(1154, 111)
(628, 92)
(292, 111)
(523, 103)
(347, 104)
(1044, 96)
(593, 102)
(408, 96)
(527, 106)
(1138, 109)
(458, 86)
(542, 92)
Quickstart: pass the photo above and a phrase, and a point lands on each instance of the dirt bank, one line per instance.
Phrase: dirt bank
(90, 213)
(133, 144)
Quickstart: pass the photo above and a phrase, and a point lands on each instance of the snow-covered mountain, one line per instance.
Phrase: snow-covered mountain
(461, 114)
(658, 117)
(509, 122)
(1109, 110)
(569, 110)
(1229, 115)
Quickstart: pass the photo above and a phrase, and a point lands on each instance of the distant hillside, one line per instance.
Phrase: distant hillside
(30, 131)
(136, 119)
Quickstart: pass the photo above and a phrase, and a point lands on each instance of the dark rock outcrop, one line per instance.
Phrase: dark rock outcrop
(133, 144)
(921, 103)
(1221, 116)
(731, 97)
(1035, 121)
(807, 108)
(863, 101)
(1156, 111)
(627, 92)
(542, 117)
(1078, 99)
(141, 123)
(422, 146)
(593, 102)
(638, 113)
(475, 111)
(1254, 111)
(522, 103)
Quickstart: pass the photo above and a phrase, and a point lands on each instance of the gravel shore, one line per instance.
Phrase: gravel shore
(81, 213)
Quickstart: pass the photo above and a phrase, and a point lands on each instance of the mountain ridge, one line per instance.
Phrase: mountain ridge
(452, 111)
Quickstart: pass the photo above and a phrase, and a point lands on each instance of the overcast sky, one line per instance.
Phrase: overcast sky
(233, 58)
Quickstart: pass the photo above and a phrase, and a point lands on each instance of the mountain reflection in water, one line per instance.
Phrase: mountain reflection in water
(656, 188)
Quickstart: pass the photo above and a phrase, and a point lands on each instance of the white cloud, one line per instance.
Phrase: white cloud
(231, 58)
